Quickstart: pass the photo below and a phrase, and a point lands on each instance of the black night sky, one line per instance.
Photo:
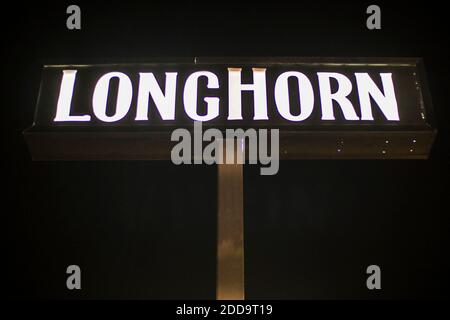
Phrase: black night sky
(147, 230)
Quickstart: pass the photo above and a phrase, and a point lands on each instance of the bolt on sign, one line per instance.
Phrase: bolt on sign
(324, 107)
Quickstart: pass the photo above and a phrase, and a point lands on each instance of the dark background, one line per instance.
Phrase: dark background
(147, 230)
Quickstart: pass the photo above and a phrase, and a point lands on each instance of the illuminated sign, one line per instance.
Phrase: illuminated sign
(324, 108)
(165, 100)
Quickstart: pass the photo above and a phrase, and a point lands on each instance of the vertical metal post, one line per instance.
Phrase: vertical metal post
(230, 231)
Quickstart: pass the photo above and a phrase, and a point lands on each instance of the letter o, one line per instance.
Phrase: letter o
(306, 94)
(124, 96)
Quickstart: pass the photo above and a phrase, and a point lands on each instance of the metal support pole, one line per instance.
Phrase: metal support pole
(230, 231)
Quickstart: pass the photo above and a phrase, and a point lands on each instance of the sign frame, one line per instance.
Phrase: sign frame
(114, 143)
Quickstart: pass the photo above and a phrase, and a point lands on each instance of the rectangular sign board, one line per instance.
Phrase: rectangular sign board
(337, 108)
